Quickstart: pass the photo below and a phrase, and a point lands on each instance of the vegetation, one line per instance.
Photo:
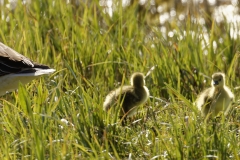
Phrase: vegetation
(61, 117)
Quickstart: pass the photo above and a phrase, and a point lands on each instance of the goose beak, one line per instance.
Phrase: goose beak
(215, 83)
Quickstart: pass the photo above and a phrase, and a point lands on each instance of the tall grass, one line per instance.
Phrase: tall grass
(61, 117)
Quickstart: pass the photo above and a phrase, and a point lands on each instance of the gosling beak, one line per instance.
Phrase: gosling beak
(215, 83)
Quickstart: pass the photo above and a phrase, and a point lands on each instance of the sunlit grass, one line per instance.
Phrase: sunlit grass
(60, 116)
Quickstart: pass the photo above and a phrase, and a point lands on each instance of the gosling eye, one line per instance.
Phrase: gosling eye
(220, 79)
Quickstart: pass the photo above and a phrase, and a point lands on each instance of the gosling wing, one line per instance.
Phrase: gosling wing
(115, 97)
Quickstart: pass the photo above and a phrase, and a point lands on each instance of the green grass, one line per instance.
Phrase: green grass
(60, 116)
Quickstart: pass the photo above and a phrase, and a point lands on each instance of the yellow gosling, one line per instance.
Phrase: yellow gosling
(15, 68)
(129, 97)
(215, 99)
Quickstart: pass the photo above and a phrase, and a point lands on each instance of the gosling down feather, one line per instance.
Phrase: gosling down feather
(15, 68)
(129, 97)
(217, 98)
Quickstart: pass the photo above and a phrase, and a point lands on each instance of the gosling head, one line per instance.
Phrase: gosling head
(218, 80)
(137, 79)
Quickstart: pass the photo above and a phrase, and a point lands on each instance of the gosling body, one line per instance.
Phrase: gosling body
(15, 68)
(128, 97)
(217, 98)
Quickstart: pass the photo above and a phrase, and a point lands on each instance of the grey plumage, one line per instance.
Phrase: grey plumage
(15, 68)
